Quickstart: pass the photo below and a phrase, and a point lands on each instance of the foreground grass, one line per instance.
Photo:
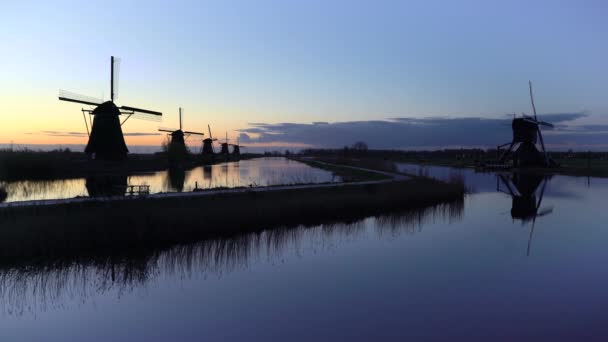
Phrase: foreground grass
(89, 228)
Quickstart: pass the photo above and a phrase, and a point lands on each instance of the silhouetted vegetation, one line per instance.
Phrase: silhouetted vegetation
(571, 163)
(91, 227)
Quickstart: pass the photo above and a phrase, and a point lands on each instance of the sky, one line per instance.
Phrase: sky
(270, 72)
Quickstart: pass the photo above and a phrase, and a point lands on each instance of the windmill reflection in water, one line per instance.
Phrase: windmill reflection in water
(524, 191)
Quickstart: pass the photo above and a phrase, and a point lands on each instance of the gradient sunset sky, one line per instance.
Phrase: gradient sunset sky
(232, 63)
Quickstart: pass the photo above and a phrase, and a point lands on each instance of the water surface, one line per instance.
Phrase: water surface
(252, 172)
(494, 269)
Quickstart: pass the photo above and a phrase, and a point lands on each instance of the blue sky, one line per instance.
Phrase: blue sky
(231, 63)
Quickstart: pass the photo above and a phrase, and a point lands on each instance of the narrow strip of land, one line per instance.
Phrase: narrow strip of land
(391, 177)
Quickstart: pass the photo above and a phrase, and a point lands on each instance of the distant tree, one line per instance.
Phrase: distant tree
(360, 146)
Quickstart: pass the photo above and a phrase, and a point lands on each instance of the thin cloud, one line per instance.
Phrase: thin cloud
(415, 133)
(81, 134)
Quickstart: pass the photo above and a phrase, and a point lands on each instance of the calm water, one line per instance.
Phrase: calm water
(473, 272)
(253, 172)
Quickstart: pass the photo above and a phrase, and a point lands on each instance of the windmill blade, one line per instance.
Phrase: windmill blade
(115, 74)
(530, 237)
(532, 99)
(180, 117)
(194, 133)
(74, 97)
(542, 193)
(139, 110)
(210, 136)
(546, 124)
(164, 129)
(544, 212)
(143, 116)
(530, 120)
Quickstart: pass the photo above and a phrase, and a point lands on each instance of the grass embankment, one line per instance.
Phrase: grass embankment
(109, 227)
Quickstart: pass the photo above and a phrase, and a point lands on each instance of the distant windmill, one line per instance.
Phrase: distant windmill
(224, 145)
(177, 135)
(523, 190)
(106, 140)
(526, 132)
(208, 144)
(236, 148)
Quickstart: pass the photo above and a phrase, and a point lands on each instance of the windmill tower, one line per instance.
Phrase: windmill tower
(177, 146)
(526, 133)
(236, 148)
(106, 140)
(207, 148)
(179, 136)
(224, 145)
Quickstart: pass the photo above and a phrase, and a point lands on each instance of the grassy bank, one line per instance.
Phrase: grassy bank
(109, 227)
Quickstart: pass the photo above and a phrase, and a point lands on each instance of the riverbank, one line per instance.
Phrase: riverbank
(97, 226)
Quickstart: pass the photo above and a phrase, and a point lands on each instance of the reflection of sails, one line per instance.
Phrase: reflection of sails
(523, 188)
(106, 185)
(40, 286)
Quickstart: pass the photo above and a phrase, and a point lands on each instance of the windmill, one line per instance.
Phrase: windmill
(178, 136)
(224, 145)
(207, 148)
(523, 190)
(526, 133)
(236, 148)
(106, 140)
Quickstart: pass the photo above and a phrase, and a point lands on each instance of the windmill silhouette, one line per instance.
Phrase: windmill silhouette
(106, 139)
(179, 136)
(526, 133)
(236, 148)
(207, 148)
(224, 146)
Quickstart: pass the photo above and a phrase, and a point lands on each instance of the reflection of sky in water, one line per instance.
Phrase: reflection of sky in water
(254, 172)
(376, 278)
(466, 276)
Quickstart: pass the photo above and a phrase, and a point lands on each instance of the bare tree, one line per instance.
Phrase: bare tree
(360, 146)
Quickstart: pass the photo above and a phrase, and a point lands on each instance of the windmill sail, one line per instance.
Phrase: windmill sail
(115, 74)
(69, 96)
